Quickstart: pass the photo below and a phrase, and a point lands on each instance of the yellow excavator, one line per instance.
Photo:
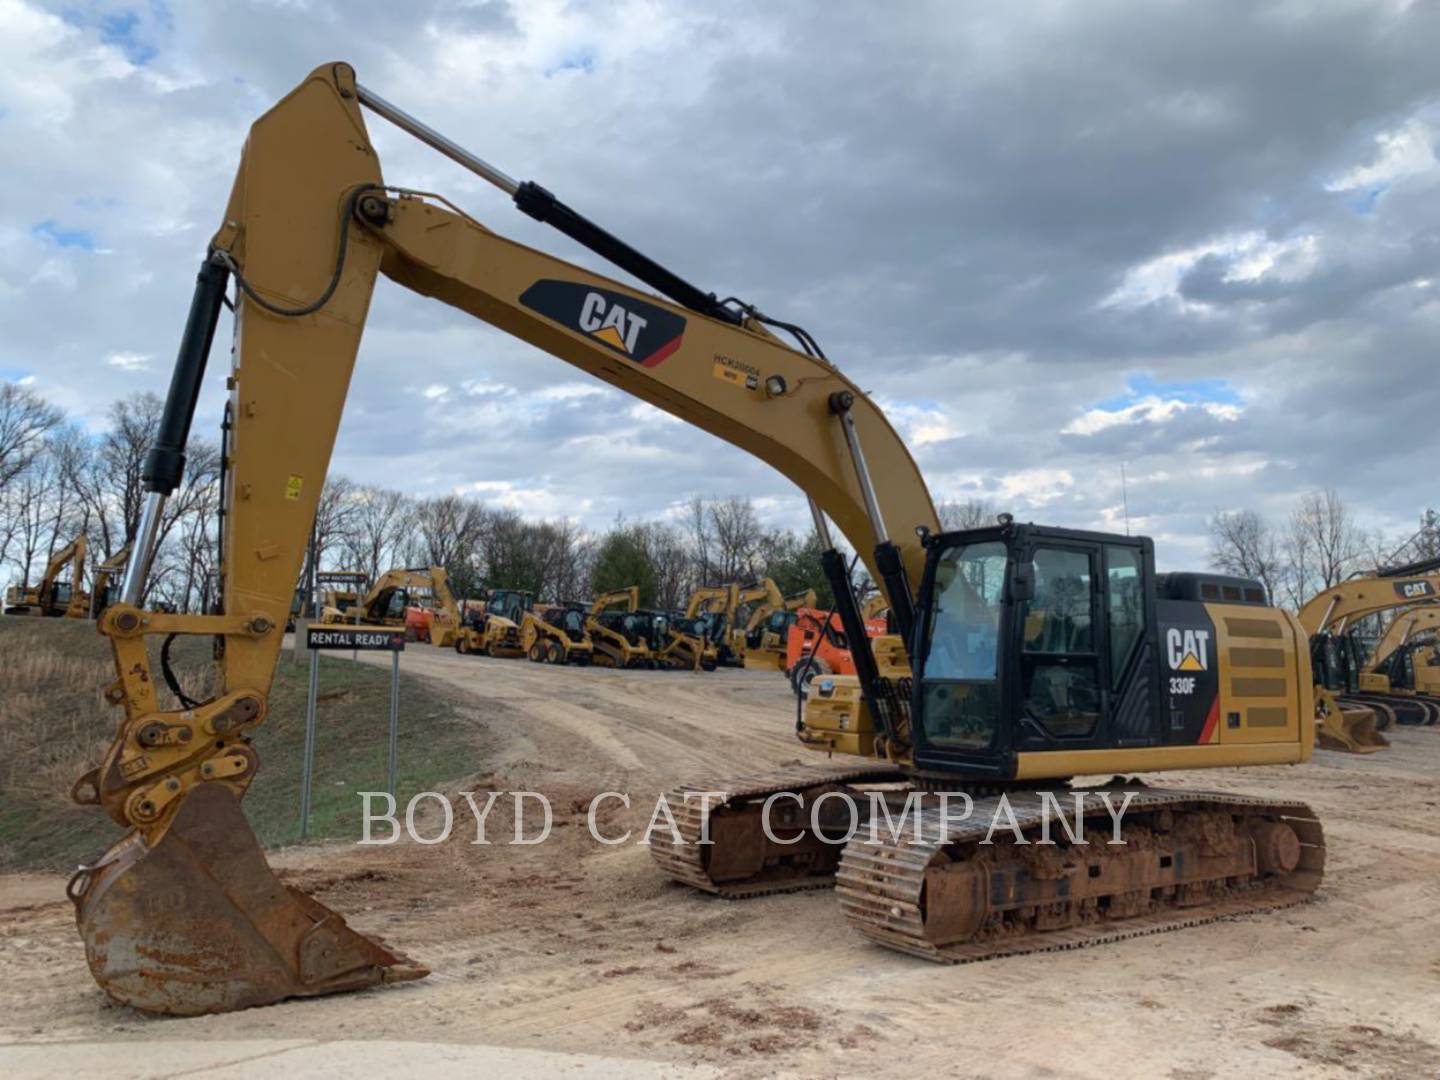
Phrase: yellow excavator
(621, 633)
(393, 594)
(764, 639)
(1033, 655)
(53, 596)
(1404, 660)
(1353, 711)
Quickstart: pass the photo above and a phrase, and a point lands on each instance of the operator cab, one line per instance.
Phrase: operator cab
(1031, 638)
(508, 604)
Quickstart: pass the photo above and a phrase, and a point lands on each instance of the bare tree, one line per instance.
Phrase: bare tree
(1322, 542)
(379, 522)
(965, 513)
(25, 420)
(1243, 543)
(736, 529)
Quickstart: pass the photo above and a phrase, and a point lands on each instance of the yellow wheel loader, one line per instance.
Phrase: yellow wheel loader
(494, 628)
(54, 597)
(556, 634)
(1026, 655)
(1354, 706)
(620, 632)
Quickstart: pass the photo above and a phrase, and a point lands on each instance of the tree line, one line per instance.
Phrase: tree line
(57, 481)
(1319, 544)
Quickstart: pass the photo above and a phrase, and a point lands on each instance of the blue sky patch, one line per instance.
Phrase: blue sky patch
(1195, 391)
(1364, 200)
(123, 29)
(582, 61)
(52, 232)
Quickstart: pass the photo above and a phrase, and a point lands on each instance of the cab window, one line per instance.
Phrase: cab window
(960, 688)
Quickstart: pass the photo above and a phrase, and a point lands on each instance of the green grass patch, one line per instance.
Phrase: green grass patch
(54, 726)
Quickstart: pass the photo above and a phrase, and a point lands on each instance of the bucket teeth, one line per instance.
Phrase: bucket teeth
(197, 922)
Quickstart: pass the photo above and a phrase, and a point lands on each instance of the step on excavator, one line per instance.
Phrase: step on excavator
(620, 631)
(1354, 708)
(54, 596)
(1031, 655)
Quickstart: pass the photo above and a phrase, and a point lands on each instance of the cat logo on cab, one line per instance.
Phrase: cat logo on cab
(634, 328)
(1187, 650)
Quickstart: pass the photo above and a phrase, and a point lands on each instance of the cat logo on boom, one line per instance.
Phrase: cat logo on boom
(1188, 650)
(634, 328)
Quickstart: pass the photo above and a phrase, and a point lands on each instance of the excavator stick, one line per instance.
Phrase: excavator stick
(199, 923)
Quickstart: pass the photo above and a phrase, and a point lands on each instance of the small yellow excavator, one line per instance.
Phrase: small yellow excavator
(767, 632)
(1024, 656)
(55, 597)
(101, 590)
(388, 602)
(620, 631)
(493, 628)
(1351, 716)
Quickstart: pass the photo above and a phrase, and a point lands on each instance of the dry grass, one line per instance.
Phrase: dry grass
(55, 726)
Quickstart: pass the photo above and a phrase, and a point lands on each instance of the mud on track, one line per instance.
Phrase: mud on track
(575, 948)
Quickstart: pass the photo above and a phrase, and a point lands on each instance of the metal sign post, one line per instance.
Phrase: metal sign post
(338, 637)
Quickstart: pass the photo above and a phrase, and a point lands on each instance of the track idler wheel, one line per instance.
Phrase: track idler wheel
(199, 923)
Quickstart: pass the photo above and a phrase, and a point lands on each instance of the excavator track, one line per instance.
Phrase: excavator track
(1189, 858)
(741, 861)
(1399, 710)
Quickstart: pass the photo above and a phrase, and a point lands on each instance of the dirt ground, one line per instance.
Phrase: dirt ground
(575, 948)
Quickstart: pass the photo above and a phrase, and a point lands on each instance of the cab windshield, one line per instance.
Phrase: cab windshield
(960, 686)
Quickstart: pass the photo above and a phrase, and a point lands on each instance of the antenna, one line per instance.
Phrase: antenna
(1125, 497)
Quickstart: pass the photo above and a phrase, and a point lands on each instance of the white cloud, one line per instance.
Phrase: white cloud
(1409, 150)
(1249, 256)
(1151, 409)
(129, 361)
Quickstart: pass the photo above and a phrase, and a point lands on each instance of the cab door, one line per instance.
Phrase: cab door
(1086, 673)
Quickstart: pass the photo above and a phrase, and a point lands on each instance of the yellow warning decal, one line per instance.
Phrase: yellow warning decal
(293, 486)
(1190, 663)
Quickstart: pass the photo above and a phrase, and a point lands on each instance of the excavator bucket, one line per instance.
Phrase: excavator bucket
(199, 923)
(1350, 730)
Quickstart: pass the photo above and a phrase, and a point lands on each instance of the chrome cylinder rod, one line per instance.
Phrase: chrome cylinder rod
(138, 568)
(862, 474)
(822, 527)
(430, 137)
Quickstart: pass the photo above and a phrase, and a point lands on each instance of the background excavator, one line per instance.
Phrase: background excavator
(389, 602)
(1350, 714)
(103, 589)
(766, 633)
(54, 596)
(1027, 655)
(1404, 659)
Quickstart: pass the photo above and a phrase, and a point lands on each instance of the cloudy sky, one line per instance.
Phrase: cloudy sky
(1199, 239)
